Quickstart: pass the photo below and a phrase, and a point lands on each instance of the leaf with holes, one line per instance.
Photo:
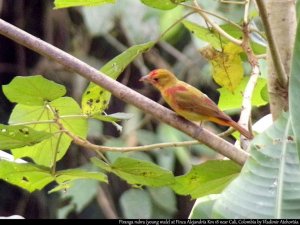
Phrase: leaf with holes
(19, 136)
(43, 152)
(25, 175)
(95, 98)
(227, 66)
(268, 185)
(139, 172)
(33, 90)
(72, 3)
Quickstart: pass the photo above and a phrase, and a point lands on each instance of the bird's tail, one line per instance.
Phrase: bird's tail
(242, 130)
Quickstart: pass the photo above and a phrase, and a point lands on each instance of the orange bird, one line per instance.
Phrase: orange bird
(188, 101)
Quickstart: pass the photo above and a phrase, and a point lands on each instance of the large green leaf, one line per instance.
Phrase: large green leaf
(294, 92)
(19, 136)
(138, 172)
(208, 178)
(71, 3)
(95, 98)
(269, 184)
(25, 175)
(43, 152)
(229, 100)
(33, 90)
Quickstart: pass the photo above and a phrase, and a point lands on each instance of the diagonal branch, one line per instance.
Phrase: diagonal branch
(122, 92)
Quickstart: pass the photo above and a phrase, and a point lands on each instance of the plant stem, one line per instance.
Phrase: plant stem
(281, 73)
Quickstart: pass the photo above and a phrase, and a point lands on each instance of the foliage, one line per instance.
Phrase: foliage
(44, 123)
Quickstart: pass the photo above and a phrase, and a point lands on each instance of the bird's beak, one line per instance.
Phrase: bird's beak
(144, 79)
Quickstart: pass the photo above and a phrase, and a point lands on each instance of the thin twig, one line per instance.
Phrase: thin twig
(214, 25)
(122, 92)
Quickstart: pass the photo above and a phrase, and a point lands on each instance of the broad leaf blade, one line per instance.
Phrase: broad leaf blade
(208, 178)
(25, 175)
(72, 3)
(43, 152)
(20, 136)
(268, 186)
(204, 34)
(33, 90)
(294, 92)
(95, 98)
(139, 172)
(236, 98)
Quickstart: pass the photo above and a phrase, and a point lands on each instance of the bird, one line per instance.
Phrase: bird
(189, 102)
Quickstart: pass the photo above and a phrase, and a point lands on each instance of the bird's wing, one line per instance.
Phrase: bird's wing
(197, 103)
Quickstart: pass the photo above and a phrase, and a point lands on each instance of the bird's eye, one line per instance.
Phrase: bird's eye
(155, 79)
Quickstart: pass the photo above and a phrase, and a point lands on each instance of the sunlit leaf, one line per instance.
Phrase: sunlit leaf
(33, 90)
(95, 98)
(204, 34)
(72, 3)
(25, 175)
(19, 136)
(43, 152)
(208, 178)
(227, 66)
(234, 100)
(161, 4)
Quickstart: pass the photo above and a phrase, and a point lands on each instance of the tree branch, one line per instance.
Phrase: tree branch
(122, 92)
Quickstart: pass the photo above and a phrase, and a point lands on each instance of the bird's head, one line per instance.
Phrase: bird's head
(160, 78)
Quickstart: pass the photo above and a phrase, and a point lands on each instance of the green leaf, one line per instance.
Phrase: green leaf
(95, 98)
(19, 136)
(167, 19)
(72, 3)
(208, 178)
(66, 178)
(99, 163)
(113, 117)
(237, 33)
(202, 208)
(204, 34)
(234, 100)
(75, 174)
(268, 185)
(139, 172)
(294, 92)
(43, 152)
(25, 175)
(162, 4)
(33, 90)
(136, 204)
